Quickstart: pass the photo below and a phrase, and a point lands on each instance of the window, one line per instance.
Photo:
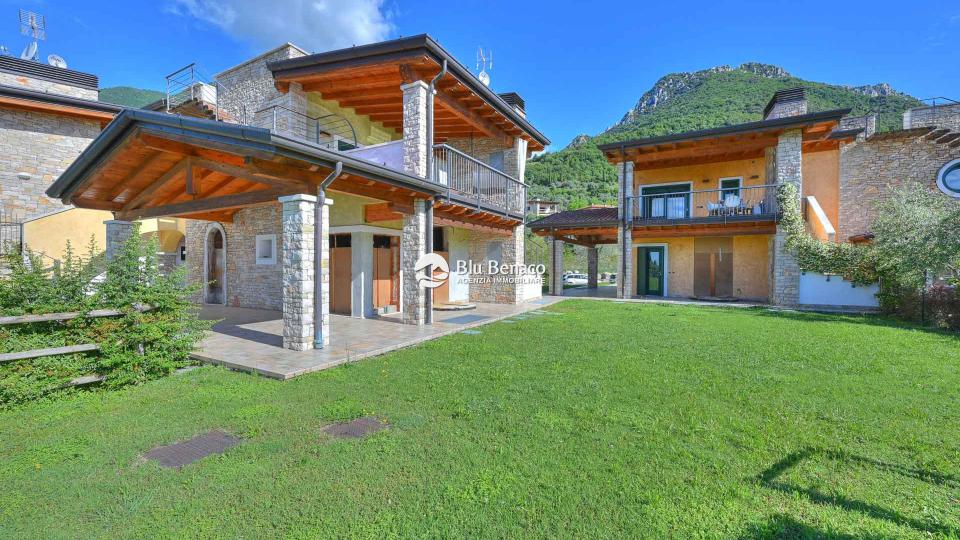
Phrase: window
(948, 180)
(340, 240)
(495, 251)
(730, 187)
(266, 249)
(670, 201)
(438, 241)
(183, 253)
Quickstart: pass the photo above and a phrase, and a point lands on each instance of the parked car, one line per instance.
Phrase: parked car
(575, 279)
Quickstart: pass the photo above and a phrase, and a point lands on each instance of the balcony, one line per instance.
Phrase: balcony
(753, 203)
(330, 131)
(471, 182)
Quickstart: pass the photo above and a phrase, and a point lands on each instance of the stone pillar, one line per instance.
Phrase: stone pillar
(413, 244)
(415, 128)
(556, 267)
(625, 232)
(513, 253)
(593, 263)
(297, 225)
(785, 272)
(118, 232)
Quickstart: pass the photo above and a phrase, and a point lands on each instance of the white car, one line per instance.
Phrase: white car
(575, 279)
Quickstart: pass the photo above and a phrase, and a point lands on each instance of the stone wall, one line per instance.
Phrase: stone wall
(249, 87)
(944, 116)
(782, 109)
(41, 85)
(869, 169)
(42, 146)
(482, 148)
(505, 249)
(248, 284)
(784, 269)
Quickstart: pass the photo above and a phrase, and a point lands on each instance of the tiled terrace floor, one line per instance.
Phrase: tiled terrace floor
(250, 339)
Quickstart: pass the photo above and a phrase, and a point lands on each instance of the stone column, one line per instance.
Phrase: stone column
(625, 233)
(593, 263)
(118, 232)
(785, 272)
(556, 266)
(413, 244)
(415, 128)
(297, 225)
(513, 253)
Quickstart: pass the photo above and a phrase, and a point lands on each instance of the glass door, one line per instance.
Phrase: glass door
(666, 202)
(651, 266)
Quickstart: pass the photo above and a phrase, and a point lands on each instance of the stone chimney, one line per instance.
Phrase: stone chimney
(789, 102)
(514, 100)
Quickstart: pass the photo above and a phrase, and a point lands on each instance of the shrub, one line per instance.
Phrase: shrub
(136, 346)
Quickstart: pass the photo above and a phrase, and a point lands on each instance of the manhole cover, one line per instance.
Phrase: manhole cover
(182, 453)
(355, 429)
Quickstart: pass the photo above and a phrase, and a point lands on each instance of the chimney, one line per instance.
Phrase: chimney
(514, 100)
(789, 102)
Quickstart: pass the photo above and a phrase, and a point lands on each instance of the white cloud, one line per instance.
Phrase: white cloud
(316, 25)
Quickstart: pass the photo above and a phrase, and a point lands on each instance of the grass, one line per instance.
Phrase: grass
(610, 420)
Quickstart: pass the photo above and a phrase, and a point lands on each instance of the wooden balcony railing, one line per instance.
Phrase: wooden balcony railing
(472, 181)
(727, 204)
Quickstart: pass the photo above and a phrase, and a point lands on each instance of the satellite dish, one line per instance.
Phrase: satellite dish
(30, 51)
(56, 60)
(484, 78)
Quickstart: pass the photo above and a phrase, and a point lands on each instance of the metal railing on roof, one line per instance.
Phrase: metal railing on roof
(189, 83)
(468, 178)
(329, 130)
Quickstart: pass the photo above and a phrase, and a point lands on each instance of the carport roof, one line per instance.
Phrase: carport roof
(593, 216)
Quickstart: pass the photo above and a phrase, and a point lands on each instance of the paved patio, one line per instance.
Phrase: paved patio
(250, 339)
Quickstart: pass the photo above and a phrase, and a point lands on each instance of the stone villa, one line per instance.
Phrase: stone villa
(314, 183)
(698, 214)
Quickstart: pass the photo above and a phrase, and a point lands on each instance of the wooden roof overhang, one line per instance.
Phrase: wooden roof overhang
(368, 79)
(729, 143)
(31, 100)
(148, 164)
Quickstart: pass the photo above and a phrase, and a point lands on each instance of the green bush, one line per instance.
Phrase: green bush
(138, 345)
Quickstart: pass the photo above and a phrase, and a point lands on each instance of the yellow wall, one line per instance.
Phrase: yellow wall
(49, 234)
(751, 257)
(706, 176)
(821, 178)
(368, 132)
(348, 210)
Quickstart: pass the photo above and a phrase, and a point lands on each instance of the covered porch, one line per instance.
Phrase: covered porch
(251, 339)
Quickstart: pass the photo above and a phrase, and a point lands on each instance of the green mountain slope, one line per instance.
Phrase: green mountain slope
(129, 96)
(579, 175)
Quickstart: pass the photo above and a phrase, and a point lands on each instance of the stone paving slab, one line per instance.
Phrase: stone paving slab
(250, 339)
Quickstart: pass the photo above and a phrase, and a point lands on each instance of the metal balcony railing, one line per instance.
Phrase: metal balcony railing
(330, 130)
(189, 83)
(727, 204)
(471, 180)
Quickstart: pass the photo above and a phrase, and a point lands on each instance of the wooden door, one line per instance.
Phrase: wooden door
(386, 266)
(340, 278)
(441, 295)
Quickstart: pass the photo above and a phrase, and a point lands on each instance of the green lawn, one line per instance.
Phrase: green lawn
(610, 420)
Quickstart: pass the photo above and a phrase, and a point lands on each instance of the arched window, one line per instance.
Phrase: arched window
(948, 179)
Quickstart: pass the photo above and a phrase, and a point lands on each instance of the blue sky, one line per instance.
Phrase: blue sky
(580, 65)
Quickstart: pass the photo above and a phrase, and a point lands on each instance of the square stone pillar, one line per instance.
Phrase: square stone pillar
(298, 284)
(593, 265)
(625, 205)
(784, 270)
(415, 128)
(556, 267)
(118, 232)
(413, 244)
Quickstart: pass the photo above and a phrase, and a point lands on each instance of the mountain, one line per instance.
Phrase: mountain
(129, 96)
(579, 175)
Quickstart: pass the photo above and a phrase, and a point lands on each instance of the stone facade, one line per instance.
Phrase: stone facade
(413, 244)
(593, 261)
(625, 281)
(35, 148)
(943, 116)
(415, 128)
(249, 87)
(507, 250)
(118, 232)
(784, 270)
(52, 87)
(867, 123)
(871, 168)
(556, 267)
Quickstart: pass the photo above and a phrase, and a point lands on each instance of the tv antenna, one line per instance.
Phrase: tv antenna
(35, 26)
(484, 60)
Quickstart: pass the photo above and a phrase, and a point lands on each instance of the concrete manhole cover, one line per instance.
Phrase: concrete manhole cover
(174, 456)
(354, 429)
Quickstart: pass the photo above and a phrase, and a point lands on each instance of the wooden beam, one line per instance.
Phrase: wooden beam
(121, 186)
(447, 221)
(256, 174)
(380, 212)
(157, 184)
(237, 200)
(63, 110)
(473, 118)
